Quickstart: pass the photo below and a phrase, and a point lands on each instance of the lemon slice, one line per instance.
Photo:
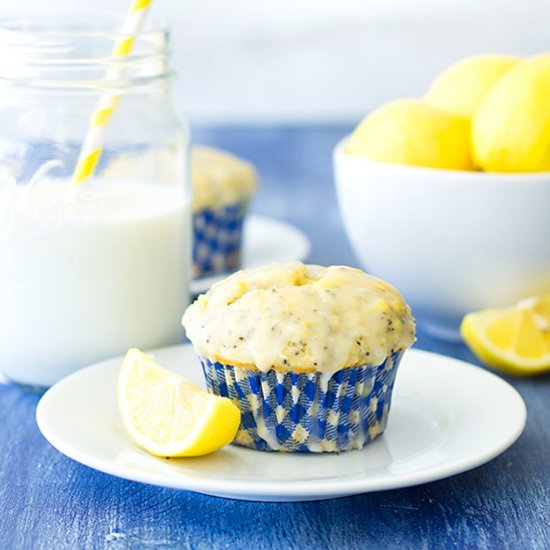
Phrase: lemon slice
(167, 415)
(515, 340)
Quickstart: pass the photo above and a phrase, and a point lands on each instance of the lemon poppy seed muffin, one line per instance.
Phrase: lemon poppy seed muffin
(309, 353)
(220, 178)
(222, 187)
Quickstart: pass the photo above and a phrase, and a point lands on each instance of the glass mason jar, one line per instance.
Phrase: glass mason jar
(89, 270)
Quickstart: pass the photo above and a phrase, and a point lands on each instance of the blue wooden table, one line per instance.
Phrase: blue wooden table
(48, 501)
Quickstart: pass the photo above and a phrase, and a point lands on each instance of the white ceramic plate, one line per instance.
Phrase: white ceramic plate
(447, 417)
(265, 240)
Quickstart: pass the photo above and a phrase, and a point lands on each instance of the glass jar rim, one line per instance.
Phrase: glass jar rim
(76, 52)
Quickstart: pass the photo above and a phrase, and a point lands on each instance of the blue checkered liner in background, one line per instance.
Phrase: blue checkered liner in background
(217, 236)
(301, 412)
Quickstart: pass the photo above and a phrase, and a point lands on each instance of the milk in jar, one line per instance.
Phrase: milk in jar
(88, 271)
(86, 276)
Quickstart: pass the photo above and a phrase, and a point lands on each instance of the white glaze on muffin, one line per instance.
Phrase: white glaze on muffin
(293, 317)
(219, 178)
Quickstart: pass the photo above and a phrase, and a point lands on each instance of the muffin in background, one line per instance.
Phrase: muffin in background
(308, 353)
(222, 187)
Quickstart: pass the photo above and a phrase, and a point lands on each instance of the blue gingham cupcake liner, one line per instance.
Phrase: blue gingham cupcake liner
(305, 412)
(217, 238)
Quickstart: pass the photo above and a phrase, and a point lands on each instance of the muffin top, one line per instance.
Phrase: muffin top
(296, 317)
(219, 178)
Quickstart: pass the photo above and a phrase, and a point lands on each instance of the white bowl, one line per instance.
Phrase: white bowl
(452, 242)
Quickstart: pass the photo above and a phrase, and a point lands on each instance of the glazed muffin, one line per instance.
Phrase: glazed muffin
(308, 353)
(222, 187)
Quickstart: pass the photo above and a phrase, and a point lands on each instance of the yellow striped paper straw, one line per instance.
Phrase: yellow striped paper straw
(94, 141)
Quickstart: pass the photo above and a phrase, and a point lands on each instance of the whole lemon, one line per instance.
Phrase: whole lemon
(511, 126)
(409, 131)
(460, 88)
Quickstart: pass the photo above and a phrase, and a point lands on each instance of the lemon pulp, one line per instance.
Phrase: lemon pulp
(515, 340)
(169, 416)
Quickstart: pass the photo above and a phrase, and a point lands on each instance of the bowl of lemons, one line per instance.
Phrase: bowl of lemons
(448, 196)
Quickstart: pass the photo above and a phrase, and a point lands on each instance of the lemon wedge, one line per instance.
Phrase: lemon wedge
(167, 415)
(515, 340)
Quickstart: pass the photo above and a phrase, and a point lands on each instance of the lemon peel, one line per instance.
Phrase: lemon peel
(515, 340)
(412, 132)
(460, 88)
(511, 126)
(169, 416)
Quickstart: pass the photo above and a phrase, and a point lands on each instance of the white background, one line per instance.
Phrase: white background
(319, 60)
